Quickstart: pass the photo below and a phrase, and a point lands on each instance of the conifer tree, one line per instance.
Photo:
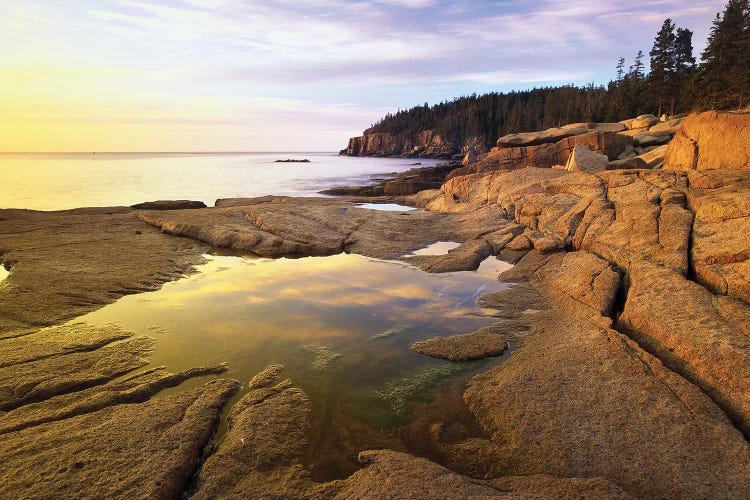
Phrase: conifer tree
(684, 68)
(620, 69)
(662, 77)
(725, 66)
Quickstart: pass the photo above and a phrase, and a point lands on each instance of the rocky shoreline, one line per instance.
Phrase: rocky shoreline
(630, 377)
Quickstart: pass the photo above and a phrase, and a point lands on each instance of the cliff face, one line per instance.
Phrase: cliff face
(424, 144)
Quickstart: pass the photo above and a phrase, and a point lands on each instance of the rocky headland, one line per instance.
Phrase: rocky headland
(629, 315)
(422, 144)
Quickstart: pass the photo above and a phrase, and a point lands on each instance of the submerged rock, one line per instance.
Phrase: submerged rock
(476, 345)
(169, 205)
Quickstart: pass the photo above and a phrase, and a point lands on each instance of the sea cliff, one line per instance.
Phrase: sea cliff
(423, 144)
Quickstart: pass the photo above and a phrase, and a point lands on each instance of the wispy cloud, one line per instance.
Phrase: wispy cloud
(310, 57)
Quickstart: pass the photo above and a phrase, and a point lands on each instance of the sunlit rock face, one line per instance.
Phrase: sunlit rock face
(426, 143)
(712, 140)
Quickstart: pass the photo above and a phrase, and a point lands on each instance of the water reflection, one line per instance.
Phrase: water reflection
(437, 248)
(341, 325)
(387, 207)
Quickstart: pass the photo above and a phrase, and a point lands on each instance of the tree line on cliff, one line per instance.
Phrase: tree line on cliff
(674, 83)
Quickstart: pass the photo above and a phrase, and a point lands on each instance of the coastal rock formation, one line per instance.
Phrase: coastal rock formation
(405, 183)
(576, 386)
(629, 323)
(67, 263)
(263, 456)
(584, 160)
(168, 205)
(721, 251)
(546, 155)
(642, 223)
(554, 135)
(134, 450)
(476, 345)
(427, 143)
(711, 141)
(280, 226)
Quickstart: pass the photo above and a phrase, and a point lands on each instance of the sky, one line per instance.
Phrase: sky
(291, 75)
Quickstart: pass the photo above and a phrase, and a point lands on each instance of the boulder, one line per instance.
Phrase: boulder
(655, 157)
(168, 205)
(585, 160)
(652, 138)
(711, 141)
(476, 345)
(469, 158)
(546, 155)
(629, 163)
(629, 152)
(548, 136)
(554, 135)
(671, 126)
(644, 121)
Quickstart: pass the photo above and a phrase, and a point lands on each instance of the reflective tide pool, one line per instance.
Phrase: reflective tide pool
(342, 327)
(387, 207)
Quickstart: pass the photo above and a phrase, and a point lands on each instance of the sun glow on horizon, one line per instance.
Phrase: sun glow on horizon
(231, 75)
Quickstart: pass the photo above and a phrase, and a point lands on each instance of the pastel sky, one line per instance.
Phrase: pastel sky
(290, 75)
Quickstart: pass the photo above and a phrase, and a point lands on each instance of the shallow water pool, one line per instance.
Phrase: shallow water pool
(387, 207)
(342, 327)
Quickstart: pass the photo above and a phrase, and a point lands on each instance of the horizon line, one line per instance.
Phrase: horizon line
(158, 152)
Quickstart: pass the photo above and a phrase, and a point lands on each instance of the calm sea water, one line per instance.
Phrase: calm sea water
(342, 325)
(61, 181)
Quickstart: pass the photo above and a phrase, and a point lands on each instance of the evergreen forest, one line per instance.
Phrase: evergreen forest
(675, 83)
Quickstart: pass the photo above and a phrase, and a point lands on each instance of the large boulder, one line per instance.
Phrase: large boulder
(643, 121)
(585, 160)
(553, 135)
(711, 141)
(607, 143)
(672, 126)
(652, 138)
(548, 136)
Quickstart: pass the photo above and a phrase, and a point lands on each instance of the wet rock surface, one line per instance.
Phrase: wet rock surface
(68, 263)
(476, 345)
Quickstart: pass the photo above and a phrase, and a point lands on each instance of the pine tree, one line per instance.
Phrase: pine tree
(662, 77)
(683, 51)
(636, 70)
(620, 69)
(743, 70)
(725, 66)
(684, 68)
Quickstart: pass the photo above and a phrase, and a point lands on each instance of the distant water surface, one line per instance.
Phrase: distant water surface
(58, 181)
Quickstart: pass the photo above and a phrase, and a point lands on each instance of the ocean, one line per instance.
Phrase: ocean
(58, 181)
